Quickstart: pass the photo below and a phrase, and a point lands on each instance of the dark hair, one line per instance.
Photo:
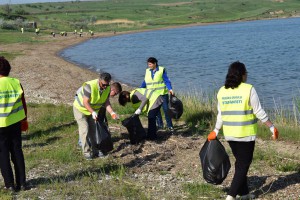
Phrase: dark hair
(235, 74)
(152, 60)
(105, 76)
(117, 86)
(123, 98)
(4, 67)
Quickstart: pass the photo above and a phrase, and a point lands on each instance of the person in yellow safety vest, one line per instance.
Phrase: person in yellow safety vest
(88, 100)
(115, 89)
(156, 79)
(146, 101)
(13, 121)
(37, 31)
(238, 110)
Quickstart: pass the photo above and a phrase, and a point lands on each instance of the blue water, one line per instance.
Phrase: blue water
(197, 58)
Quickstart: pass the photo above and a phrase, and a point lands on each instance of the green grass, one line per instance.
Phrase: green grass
(146, 14)
(203, 190)
(9, 55)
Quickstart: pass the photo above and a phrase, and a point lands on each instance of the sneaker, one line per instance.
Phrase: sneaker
(10, 189)
(246, 197)
(23, 187)
(171, 129)
(100, 154)
(230, 197)
(88, 157)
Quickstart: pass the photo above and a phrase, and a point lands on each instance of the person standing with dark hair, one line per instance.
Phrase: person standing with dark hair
(238, 110)
(156, 79)
(13, 112)
(88, 100)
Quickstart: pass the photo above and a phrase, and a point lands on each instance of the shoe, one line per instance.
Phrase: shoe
(246, 197)
(230, 197)
(171, 129)
(10, 189)
(23, 187)
(100, 154)
(88, 157)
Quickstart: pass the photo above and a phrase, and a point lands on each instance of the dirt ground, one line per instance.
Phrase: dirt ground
(162, 166)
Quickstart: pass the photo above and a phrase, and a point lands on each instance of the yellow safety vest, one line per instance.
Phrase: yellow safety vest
(151, 95)
(157, 83)
(96, 101)
(11, 106)
(237, 114)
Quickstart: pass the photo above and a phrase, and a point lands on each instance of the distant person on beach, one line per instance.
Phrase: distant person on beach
(146, 101)
(13, 120)
(37, 31)
(238, 110)
(88, 100)
(156, 79)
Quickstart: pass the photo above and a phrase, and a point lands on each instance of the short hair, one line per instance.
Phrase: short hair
(152, 60)
(4, 67)
(117, 86)
(105, 76)
(235, 74)
(123, 97)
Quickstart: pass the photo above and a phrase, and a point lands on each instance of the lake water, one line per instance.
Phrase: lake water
(197, 58)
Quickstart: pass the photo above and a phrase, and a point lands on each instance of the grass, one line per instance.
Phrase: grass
(143, 14)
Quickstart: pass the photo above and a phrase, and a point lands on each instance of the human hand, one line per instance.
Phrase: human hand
(24, 125)
(275, 132)
(212, 136)
(114, 115)
(171, 92)
(94, 115)
(138, 111)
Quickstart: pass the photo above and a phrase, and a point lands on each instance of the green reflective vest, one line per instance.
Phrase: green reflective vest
(151, 95)
(237, 114)
(11, 106)
(157, 83)
(96, 100)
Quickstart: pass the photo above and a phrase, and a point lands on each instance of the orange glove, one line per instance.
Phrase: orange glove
(114, 115)
(275, 132)
(212, 136)
(24, 125)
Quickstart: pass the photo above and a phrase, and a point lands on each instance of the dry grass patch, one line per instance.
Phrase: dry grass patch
(114, 21)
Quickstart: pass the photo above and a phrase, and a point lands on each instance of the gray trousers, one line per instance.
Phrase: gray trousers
(86, 126)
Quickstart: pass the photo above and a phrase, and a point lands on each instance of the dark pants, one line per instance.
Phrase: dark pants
(152, 129)
(165, 107)
(243, 153)
(11, 147)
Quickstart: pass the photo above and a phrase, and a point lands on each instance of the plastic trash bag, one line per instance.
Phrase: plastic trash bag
(214, 161)
(175, 107)
(103, 141)
(135, 129)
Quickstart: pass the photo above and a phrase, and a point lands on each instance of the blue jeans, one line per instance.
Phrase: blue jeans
(152, 129)
(165, 106)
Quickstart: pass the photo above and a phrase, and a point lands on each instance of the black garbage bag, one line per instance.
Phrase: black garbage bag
(175, 107)
(135, 129)
(103, 139)
(214, 161)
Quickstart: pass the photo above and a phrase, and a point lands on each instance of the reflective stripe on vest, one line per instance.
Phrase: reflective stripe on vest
(151, 95)
(157, 83)
(237, 115)
(96, 100)
(11, 106)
